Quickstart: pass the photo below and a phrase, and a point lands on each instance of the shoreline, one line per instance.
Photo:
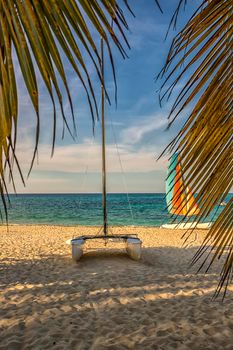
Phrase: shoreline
(95, 226)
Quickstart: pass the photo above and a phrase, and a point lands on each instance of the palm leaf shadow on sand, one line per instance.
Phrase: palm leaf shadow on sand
(107, 301)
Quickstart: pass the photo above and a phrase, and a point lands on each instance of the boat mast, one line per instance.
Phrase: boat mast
(104, 201)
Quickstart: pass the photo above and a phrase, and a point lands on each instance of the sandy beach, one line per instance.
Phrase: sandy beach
(107, 301)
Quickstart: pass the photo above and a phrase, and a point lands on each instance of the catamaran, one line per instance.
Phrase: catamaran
(180, 199)
(133, 243)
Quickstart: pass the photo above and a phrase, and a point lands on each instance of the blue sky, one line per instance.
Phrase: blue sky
(137, 126)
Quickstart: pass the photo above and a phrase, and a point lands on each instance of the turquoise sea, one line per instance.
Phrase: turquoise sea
(86, 209)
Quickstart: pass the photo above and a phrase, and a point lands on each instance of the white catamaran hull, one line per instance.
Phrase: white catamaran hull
(76, 248)
(188, 225)
(133, 248)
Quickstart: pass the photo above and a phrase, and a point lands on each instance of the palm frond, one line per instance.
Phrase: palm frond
(39, 32)
(201, 58)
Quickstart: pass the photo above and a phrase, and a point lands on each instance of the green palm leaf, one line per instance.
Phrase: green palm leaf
(33, 29)
(203, 50)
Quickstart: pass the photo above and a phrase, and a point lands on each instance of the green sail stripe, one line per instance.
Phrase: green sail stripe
(170, 182)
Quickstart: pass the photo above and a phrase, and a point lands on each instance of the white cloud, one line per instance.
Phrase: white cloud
(87, 156)
(77, 168)
(135, 134)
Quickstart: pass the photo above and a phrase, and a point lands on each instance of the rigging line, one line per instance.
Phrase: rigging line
(84, 180)
(86, 170)
(118, 153)
(122, 172)
(88, 156)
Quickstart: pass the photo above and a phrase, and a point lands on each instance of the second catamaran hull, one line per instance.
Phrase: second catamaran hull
(188, 225)
(133, 248)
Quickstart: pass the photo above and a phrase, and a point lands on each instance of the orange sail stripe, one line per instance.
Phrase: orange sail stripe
(177, 198)
(183, 200)
(180, 199)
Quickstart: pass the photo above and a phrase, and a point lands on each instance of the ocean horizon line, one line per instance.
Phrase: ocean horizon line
(74, 193)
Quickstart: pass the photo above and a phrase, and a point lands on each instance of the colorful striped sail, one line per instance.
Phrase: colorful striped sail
(180, 200)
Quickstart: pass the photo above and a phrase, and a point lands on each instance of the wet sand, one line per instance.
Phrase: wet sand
(107, 301)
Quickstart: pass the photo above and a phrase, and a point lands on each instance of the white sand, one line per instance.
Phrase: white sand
(107, 301)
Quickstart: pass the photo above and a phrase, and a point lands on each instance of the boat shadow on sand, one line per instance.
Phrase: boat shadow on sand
(107, 301)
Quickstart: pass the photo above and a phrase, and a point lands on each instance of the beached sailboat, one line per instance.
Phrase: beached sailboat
(180, 199)
(133, 243)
